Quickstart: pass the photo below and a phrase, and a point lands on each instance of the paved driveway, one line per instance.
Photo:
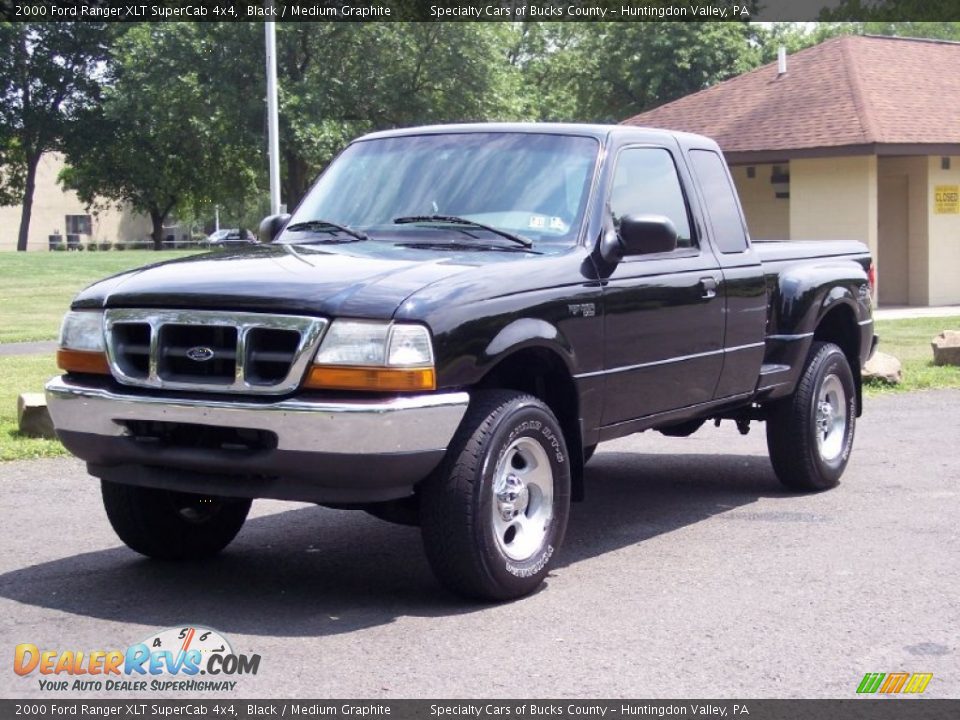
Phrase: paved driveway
(687, 572)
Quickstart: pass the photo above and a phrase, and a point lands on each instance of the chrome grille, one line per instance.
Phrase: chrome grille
(210, 350)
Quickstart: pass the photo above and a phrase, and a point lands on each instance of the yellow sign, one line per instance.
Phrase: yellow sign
(946, 199)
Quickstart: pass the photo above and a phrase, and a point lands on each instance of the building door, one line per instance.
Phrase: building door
(893, 241)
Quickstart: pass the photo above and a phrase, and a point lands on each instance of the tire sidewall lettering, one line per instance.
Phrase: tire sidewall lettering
(545, 435)
(840, 369)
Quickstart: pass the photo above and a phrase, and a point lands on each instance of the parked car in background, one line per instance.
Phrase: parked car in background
(231, 236)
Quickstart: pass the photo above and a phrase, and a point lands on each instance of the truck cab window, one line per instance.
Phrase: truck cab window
(725, 217)
(646, 183)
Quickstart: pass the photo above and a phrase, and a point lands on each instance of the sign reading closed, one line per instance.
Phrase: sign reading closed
(946, 199)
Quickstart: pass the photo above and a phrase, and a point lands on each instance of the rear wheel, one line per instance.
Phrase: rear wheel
(810, 435)
(170, 525)
(495, 512)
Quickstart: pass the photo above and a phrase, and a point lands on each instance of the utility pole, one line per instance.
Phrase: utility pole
(273, 145)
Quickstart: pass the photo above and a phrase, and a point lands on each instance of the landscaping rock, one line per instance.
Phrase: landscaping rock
(946, 348)
(883, 368)
(33, 417)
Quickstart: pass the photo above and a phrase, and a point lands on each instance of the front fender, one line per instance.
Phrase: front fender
(526, 333)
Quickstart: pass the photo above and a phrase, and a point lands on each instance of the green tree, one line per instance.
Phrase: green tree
(606, 72)
(49, 77)
(175, 126)
(339, 80)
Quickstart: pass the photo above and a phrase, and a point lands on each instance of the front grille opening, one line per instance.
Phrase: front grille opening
(198, 353)
(270, 353)
(131, 348)
(205, 437)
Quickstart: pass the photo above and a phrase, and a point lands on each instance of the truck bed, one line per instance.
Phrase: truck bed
(790, 250)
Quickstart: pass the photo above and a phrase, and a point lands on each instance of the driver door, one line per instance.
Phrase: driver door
(664, 312)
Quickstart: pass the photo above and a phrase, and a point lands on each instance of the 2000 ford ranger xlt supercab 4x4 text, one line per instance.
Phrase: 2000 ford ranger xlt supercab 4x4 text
(450, 322)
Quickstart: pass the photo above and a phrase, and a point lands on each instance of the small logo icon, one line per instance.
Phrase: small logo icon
(200, 353)
(894, 683)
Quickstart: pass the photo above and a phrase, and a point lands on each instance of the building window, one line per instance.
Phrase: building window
(79, 225)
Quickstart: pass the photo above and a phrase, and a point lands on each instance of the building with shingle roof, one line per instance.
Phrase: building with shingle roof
(858, 137)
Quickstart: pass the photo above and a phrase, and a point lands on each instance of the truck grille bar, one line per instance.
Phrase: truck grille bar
(212, 351)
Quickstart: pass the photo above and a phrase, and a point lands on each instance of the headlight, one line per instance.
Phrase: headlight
(82, 346)
(82, 331)
(363, 355)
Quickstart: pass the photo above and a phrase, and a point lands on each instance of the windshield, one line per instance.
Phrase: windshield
(534, 185)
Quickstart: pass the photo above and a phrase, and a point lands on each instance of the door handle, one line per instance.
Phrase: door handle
(708, 287)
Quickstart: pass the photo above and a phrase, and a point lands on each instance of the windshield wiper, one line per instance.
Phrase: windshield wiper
(456, 220)
(319, 226)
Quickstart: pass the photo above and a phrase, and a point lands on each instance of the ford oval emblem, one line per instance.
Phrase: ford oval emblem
(200, 353)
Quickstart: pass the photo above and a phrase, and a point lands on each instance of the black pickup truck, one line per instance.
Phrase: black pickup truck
(441, 334)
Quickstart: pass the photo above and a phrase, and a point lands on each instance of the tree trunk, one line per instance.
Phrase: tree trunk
(297, 180)
(27, 209)
(156, 218)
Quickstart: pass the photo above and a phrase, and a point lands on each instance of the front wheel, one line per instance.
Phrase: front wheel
(170, 525)
(495, 512)
(810, 435)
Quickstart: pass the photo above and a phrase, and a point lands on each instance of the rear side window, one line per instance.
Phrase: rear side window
(646, 183)
(722, 208)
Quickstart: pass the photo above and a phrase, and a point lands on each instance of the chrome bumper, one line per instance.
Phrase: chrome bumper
(359, 427)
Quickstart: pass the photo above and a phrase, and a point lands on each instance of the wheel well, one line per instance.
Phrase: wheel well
(839, 326)
(543, 374)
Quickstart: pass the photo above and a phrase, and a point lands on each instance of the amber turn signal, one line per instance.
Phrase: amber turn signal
(83, 361)
(375, 379)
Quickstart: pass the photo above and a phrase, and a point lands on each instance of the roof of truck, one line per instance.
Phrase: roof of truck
(600, 132)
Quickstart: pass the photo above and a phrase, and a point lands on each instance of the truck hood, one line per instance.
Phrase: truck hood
(337, 281)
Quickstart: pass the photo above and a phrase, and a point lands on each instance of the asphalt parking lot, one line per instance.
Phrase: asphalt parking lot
(688, 572)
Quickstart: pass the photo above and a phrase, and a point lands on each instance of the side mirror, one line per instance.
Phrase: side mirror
(645, 234)
(271, 226)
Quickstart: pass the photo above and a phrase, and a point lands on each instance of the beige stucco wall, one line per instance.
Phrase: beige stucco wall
(834, 198)
(768, 217)
(944, 232)
(50, 206)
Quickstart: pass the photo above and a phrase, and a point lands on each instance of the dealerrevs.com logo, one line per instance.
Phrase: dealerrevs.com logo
(191, 658)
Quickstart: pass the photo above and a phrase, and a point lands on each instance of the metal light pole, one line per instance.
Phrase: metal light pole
(273, 146)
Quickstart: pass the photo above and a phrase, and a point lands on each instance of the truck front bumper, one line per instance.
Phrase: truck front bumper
(305, 448)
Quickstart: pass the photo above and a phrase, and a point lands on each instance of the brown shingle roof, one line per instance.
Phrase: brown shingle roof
(852, 90)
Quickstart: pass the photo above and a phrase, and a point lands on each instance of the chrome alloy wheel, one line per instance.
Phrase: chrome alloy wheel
(522, 506)
(831, 418)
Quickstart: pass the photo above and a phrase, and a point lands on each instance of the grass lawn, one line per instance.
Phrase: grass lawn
(18, 374)
(909, 341)
(36, 287)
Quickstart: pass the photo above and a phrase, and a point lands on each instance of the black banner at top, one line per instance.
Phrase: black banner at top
(477, 10)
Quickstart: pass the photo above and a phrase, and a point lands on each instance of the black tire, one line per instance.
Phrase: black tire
(169, 525)
(588, 452)
(802, 459)
(460, 532)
